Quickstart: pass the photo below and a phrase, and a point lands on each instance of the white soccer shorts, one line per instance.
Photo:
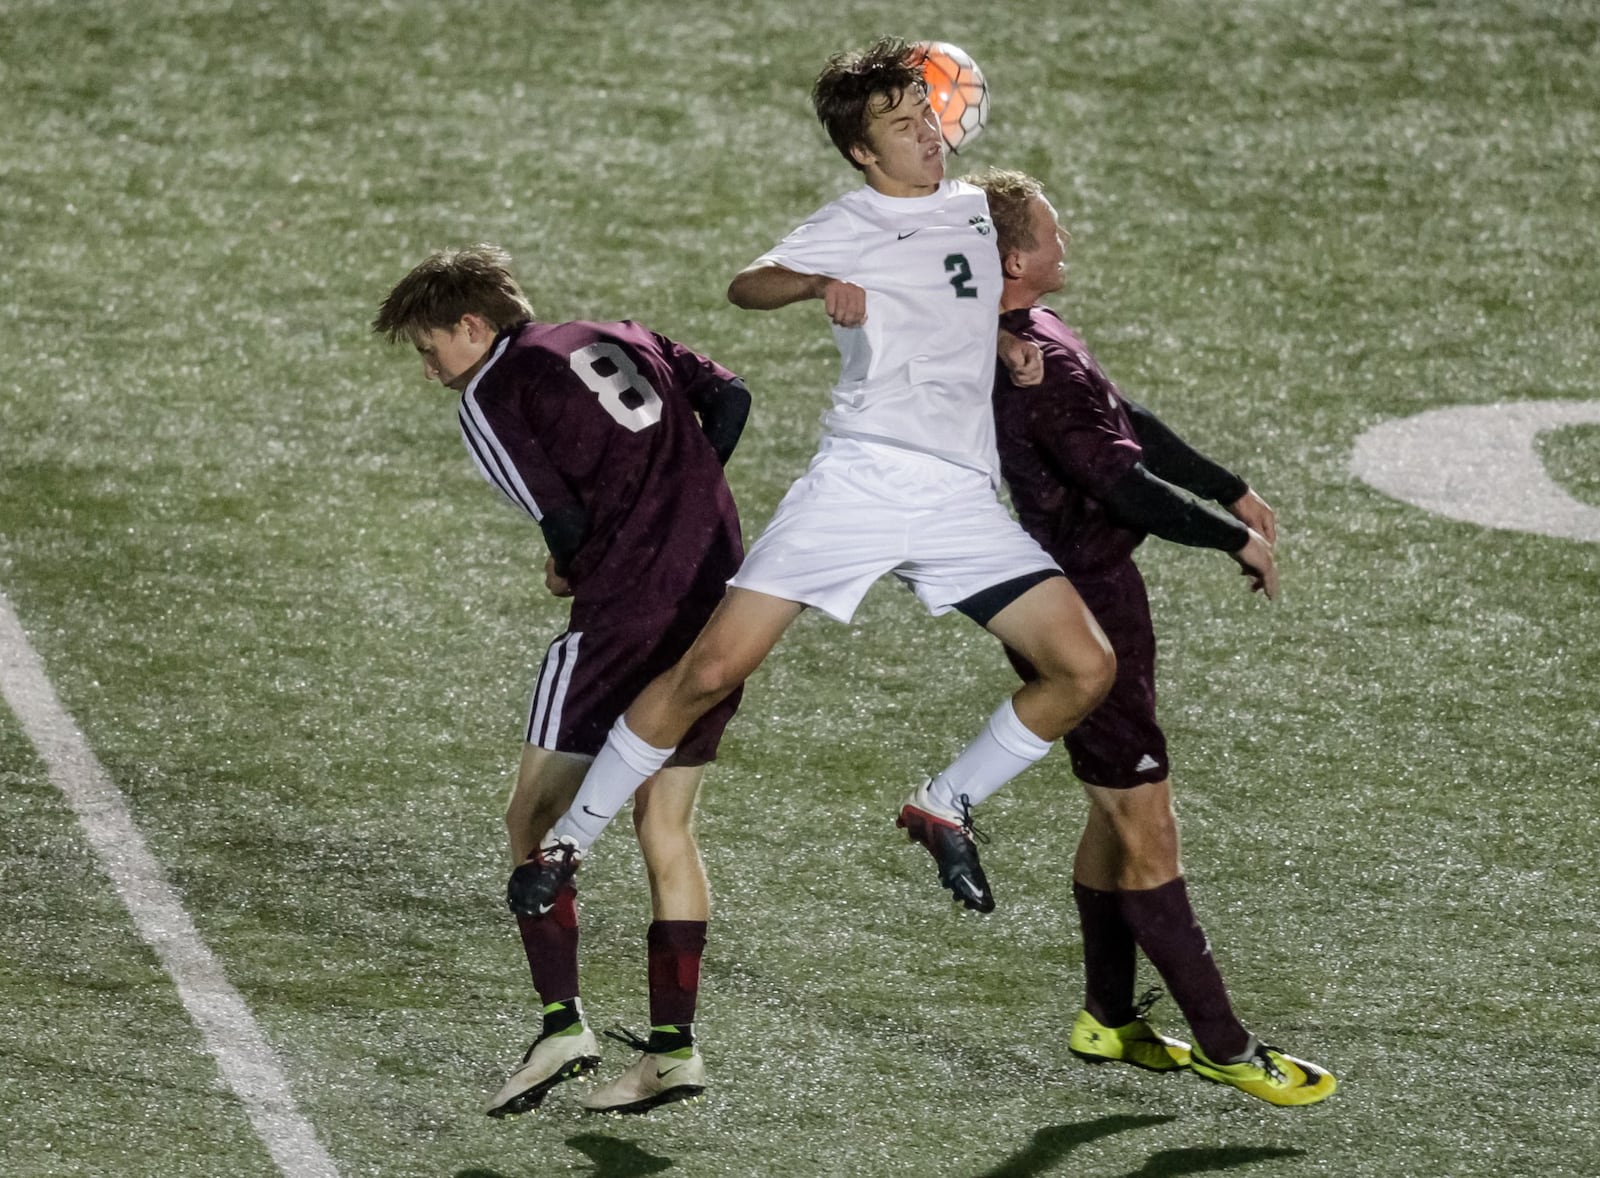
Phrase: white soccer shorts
(863, 509)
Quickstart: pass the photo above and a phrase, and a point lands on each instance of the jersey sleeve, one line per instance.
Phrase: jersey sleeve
(718, 397)
(1144, 502)
(826, 243)
(692, 370)
(1170, 457)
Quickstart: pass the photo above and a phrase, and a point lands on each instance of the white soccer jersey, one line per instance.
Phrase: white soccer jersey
(919, 372)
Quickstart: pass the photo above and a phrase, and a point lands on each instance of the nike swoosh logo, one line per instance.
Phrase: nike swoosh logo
(592, 814)
(661, 1075)
(544, 908)
(907, 234)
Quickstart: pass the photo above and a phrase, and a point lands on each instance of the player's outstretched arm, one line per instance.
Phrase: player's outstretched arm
(1146, 503)
(768, 287)
(1171, 458)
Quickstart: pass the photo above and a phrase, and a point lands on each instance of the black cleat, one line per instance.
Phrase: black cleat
(949, 838)
(534, 885)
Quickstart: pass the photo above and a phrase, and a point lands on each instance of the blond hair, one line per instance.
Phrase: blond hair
(1010, 194)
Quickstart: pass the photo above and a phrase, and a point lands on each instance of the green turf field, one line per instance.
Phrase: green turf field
(298, 630)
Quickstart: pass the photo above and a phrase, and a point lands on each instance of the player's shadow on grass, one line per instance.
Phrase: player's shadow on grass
(617, 1159)
(1170, 1163)
(1055, 1142)
(612, 1158)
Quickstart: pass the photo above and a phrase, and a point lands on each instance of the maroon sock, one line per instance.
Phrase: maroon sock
(551, 944)
(1165, 926)
(674, 948)
(1108, 955)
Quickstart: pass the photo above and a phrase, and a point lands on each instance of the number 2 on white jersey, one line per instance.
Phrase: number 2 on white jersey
(611, 376)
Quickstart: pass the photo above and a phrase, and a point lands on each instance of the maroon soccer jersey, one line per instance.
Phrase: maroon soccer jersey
(1064, 443)
(599, 416)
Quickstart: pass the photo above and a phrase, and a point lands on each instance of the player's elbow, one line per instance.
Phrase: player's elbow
(768, 286)
(742, 291)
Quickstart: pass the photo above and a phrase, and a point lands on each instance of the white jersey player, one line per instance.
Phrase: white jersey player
(904, 481)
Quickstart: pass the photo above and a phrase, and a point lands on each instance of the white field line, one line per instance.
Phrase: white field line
(244, 1057)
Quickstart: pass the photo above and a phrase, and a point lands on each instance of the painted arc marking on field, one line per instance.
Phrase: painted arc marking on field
(1479, 463)
(244, 1057)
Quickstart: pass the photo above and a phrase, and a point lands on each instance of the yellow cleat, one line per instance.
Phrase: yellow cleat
(1269, 1075)
(1135, 1042)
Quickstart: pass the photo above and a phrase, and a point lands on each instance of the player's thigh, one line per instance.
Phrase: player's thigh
(589, 676)
(966, 552)
(1120, 743)
(741, 632)
(1051, 627)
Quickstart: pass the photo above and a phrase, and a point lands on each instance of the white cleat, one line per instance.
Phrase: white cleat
(551, 1060)
(652, 1080)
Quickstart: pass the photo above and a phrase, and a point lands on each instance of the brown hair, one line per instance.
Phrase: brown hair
(448, 284)
(858, 83)
(1010, 194)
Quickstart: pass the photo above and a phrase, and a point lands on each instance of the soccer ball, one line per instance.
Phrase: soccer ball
(956, 90)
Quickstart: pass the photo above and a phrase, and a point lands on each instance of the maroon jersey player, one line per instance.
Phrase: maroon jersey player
(612, 438)
(1091, 474)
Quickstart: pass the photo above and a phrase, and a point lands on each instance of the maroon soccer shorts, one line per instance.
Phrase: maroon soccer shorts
(588, 678)
(1118, 745)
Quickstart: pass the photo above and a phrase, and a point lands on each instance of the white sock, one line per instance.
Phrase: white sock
(1003, 749)
(624, 763)
(1249, 1052)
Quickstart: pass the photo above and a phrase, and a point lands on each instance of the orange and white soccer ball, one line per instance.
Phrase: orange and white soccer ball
(956, 90)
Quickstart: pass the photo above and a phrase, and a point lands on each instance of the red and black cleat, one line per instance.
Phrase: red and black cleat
(951, 840)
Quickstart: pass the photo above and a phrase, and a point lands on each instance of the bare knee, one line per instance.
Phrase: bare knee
(671, 861)
(1146, 832)
(659, 831)
(1069, 686)
(667, 853)
(1149, 855)
(704, 678)
(1090, 672)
